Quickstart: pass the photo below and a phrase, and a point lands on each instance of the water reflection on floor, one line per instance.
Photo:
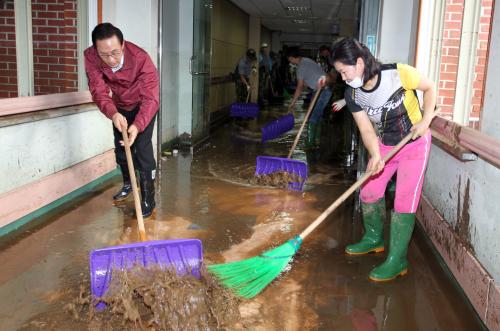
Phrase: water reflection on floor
(207, 196)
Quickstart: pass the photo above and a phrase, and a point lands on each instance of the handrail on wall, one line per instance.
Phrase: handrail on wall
(221, 80)
(12, 106)
(484, 146)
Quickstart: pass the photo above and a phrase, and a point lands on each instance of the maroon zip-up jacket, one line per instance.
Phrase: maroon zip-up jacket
(136, 83)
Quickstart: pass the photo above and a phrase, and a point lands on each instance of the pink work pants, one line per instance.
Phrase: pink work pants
(410, 163)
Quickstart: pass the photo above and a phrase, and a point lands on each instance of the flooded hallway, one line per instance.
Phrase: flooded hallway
(205, 196)
(64, 192)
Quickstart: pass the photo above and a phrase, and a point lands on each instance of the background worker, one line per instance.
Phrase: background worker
(244, 68)
(308, 74)
(325, 60)
(265, 69)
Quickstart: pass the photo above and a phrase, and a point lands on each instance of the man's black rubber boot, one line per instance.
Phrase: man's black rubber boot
(127, 186)
(147, 193)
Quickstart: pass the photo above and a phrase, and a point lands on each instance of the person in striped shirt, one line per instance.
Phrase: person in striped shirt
(383, 101)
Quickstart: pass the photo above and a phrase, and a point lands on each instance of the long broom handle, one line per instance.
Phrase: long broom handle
(249, 90)
(248, 94)
(137, 200)
(270, 82)
(311, 106)
(351, 189)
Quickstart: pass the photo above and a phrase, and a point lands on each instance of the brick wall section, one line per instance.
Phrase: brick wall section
(54, 46)
(450, 51)
(8, 66)
(481, 60)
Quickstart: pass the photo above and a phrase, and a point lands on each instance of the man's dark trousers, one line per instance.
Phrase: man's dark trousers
(142, 149)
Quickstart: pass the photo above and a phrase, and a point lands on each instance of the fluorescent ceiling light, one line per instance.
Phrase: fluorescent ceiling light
(298, 8)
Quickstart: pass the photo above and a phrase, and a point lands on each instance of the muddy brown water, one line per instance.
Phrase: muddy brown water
(159, 299)
(205, 196)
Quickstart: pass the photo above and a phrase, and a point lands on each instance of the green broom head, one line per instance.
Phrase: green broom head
(249, 277)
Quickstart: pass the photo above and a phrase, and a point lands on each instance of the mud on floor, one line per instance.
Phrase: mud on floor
(155, 299)
(277, 179)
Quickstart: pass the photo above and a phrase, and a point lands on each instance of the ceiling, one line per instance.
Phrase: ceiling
(327, 17)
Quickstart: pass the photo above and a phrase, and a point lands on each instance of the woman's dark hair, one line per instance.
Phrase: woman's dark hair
(348, 50)
(293, 51)
(105, 31)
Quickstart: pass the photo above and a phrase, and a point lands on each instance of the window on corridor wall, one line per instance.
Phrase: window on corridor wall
(464, 42)
(480, 67)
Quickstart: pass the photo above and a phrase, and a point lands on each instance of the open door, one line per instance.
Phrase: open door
(200, 68)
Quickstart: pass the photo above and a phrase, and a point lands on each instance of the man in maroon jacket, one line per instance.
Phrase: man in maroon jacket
(127, 70)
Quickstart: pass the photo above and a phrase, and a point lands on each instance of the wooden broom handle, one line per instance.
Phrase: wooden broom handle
(355, 186)
(249, 90)
(270, 82)
(137, 200)
(311, 106)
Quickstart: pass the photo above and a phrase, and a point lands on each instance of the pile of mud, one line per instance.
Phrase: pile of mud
(278, 179)
(155, 299)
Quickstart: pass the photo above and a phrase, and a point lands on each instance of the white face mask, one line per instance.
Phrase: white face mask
(355, 83)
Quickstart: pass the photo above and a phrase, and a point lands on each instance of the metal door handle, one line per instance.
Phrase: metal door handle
(195, 73)
(191, 64)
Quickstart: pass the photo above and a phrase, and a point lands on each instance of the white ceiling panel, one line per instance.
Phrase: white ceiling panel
(304, 16)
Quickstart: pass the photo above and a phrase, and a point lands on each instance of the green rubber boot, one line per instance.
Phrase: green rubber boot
(311, 129)
(317, 135)
(396, 263)
(373, 221)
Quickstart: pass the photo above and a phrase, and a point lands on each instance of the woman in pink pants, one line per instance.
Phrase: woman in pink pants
(385, 95)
